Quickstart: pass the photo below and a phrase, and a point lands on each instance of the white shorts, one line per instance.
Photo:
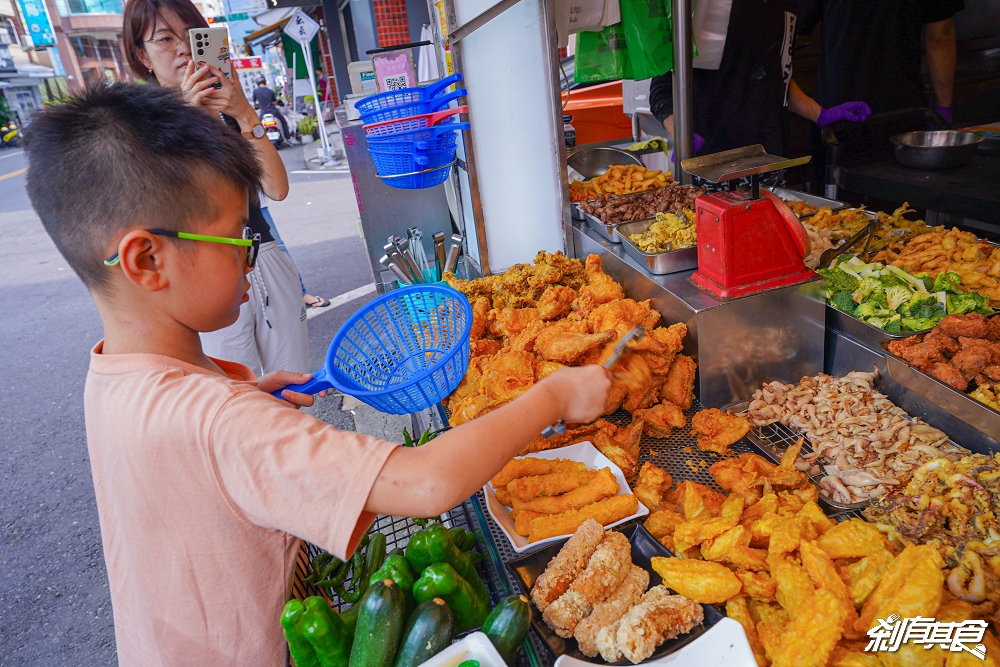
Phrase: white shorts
(270, 334)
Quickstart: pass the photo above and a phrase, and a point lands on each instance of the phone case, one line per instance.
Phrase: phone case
(211, 46)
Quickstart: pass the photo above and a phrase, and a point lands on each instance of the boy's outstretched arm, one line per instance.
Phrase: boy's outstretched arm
(430, 480)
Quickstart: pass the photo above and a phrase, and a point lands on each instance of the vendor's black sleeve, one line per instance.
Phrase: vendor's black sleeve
(661, 96)
(810, 13)
(942, 10)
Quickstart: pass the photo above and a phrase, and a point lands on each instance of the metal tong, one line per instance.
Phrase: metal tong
(453, 251)
(439, 254)
(833, 253)
(635, 333)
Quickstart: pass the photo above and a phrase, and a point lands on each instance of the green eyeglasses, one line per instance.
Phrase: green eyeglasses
(250, 241)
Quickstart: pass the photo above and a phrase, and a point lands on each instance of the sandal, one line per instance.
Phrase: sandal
(319, 302)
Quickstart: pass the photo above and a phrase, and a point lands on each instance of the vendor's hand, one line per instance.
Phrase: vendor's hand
(583, 392)
(854, 112)
(274, 381)
(697, 143)
(944, 112)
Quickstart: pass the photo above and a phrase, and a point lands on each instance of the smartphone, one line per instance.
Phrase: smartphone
(211, 46)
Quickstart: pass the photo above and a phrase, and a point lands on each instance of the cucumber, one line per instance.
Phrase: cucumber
(397, 551)
(428, 632)
(350, 616)
(507, 626)
(380, 624)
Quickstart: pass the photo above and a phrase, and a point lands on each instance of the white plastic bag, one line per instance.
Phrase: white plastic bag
(578, 16)
(710, 26)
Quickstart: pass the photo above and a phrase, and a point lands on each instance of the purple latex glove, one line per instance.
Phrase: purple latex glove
(944, 112)
(854, 112)
(697, 143)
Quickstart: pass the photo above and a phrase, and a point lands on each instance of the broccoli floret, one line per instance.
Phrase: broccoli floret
(838, 280)
(921, 304)
(910, 280)
(879, 322)
(894, 324)
(896, 296)
(870, 309)
(948, 281)
(878, 296)
(889, 279)
(843, 301)
(865, 288)
(966, 302)
(919, 323)
(926, 279)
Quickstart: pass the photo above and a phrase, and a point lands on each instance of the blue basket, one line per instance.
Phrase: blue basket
(393, 164)
(407, 102)
(434, 138)
(404, 351)
(425, 178)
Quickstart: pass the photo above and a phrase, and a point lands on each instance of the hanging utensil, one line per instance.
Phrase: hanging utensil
(402, 277)
(404, 246)
(635, 333)
(453, 251)
(439, 253)
(392, 252)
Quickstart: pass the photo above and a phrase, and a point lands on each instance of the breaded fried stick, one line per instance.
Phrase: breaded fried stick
(612, 609)
(600, 486)
(606, 570)
(517, 468)
(605, 512)
(568, 563)
(525, 489)
(657, 617)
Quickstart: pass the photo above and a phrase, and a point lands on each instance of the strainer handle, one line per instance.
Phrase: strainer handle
(320, 381)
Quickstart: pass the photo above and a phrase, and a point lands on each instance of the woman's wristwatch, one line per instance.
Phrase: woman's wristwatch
(256, 132)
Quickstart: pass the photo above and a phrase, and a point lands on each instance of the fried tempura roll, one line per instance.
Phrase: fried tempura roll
(526, 489)
(602, 485)
(528, 466)
(612, 609)
(659, 616)
(522, 519)
(569, 562)
(503, 497)
(604, 512)
(607, 568)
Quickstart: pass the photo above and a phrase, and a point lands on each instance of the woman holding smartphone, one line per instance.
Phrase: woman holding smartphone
(270, 333)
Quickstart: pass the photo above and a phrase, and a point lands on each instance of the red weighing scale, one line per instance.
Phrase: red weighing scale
(748, 241)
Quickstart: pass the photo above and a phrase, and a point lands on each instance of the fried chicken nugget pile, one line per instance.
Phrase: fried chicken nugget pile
(549, 498)
(592, 591)
(534, 319)
(805, 588)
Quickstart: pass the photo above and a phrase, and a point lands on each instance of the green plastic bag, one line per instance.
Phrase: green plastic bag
(601, 56)
(649, 35)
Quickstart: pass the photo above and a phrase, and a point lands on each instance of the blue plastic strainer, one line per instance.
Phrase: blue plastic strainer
(401, 353)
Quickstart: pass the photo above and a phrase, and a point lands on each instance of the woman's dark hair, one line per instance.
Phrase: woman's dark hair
(141, 16)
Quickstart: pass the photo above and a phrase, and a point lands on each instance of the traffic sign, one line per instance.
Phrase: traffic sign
(301, 27)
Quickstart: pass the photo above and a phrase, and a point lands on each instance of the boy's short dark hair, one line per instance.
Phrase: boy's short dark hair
(122, 155)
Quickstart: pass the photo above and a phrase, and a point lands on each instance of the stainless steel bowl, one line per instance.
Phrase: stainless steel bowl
(592, 162)
(944, 149)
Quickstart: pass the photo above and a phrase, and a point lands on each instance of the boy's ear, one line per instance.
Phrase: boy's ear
(142, 259)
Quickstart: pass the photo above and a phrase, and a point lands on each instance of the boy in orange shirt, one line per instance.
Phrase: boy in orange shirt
(205, 483)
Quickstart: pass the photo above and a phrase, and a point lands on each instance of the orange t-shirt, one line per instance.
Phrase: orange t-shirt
(205, 484)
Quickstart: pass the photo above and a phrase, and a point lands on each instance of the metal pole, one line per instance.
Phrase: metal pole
(683, 88)
(324, 141)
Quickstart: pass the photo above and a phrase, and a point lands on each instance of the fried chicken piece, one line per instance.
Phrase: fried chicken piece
(485, 347)
(480, 313)
(572, 270)
(525, 489)
(525, 340)
(628, 438)
(994, 332)
(621, 315)
(631, 373)
(679, 386)
(556, 302)
(605, 571)
(711, 500)
(653, 484)
(659, 347)
(717, 430)
(602, 485)
(616, 454)
(657, 617)
(508, 322)
(468, 409)
(615, 397)
(971, 325)
(473, 289)
(662, 417)
(947, 373)
(561, 343)
(992, 372)
(600, 287)
(469, 386)
(507, 375)
(530, 466)
(611, 610)
(944, 342)
(922, 355)
(897, 347)
(605, 512)
(568, 563)
(662, 523)
(645, 396)
(546, 368)
(971, 360)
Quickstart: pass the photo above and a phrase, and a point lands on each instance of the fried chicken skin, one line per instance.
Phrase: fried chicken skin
(546, 368)
(605, 571)
(611, 610)
(622, 315)
(568, 563)
(653, 484)
(679, 386)
(507, 375)
(600, 287)
(970, 325)
(716, 430)
(657, 617)
(507, 322)
(556, 302)
(560, 342)
(661, 418)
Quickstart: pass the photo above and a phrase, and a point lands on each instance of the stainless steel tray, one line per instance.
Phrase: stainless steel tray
(774, 439)
(656, 263)
(972, 412)
(576, 213)
(602, 228)
(813, 200)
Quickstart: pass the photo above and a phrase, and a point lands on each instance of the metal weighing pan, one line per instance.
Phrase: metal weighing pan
(972, 412)
(812, 200)
(656, 263)
(591, 162)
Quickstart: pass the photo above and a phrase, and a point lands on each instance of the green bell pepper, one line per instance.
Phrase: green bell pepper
(434, 544)
(328, 635)
(440, 580)
(398, 569)
(462, 538)
(302, 651)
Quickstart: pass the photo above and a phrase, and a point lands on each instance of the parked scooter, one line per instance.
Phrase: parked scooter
(9, 135)
(272, 128)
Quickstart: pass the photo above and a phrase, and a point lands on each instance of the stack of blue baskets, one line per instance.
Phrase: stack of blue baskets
(409, 150)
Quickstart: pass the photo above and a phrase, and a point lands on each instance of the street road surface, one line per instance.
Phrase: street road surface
(54, 603)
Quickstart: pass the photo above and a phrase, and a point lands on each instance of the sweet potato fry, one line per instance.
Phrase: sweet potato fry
(525, 489)
(602, 485)
(606, 511)
(701, 581)
(529, 466)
